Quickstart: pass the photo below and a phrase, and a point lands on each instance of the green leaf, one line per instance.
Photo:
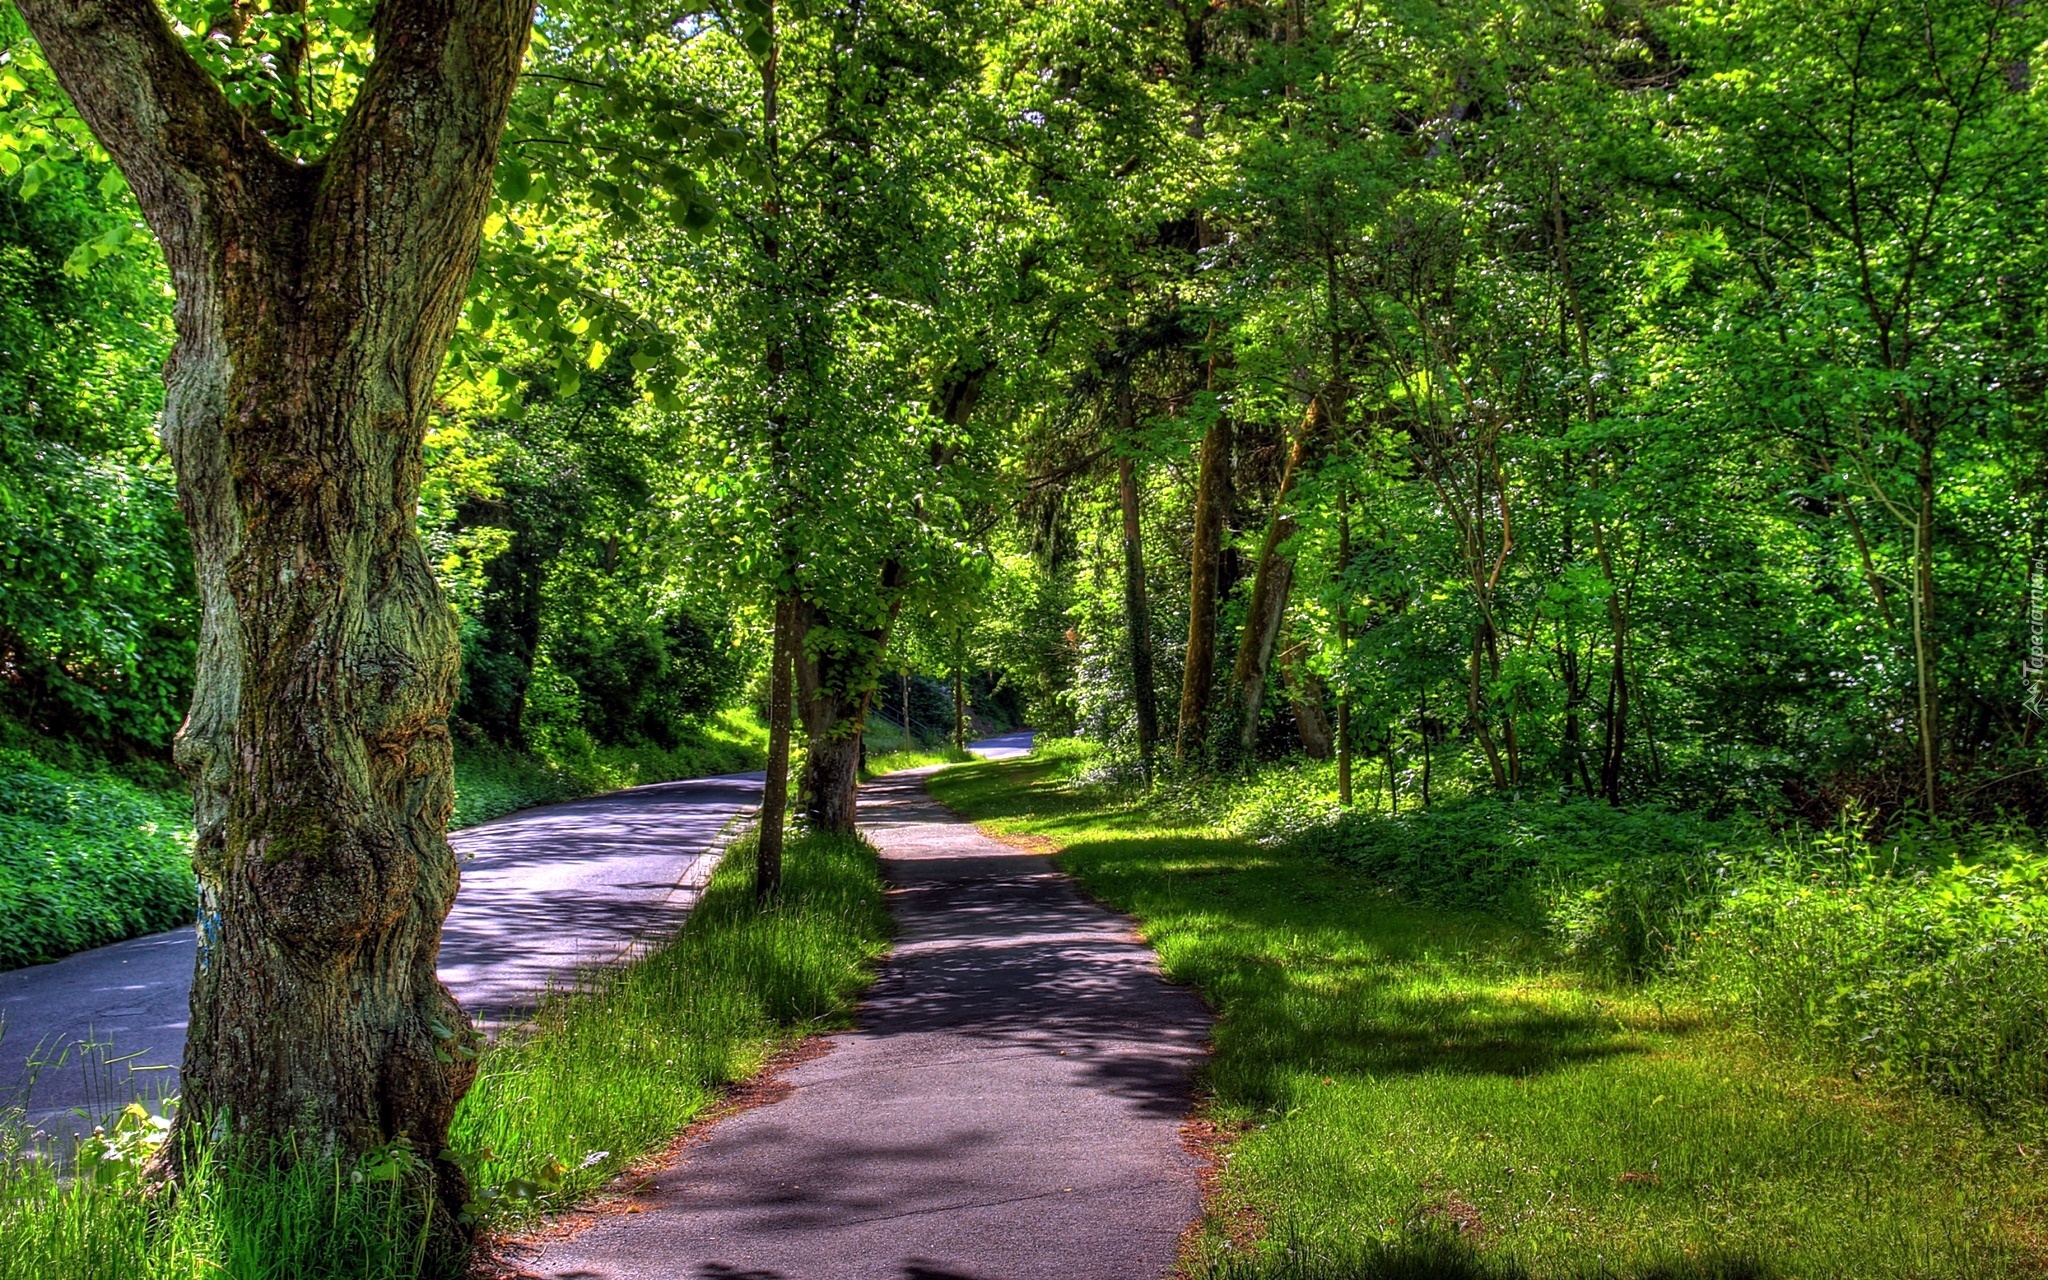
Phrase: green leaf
(515, 180)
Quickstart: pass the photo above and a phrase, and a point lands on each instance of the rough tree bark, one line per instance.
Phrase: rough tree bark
(315, 302)
(1271, 584)
(836, 675)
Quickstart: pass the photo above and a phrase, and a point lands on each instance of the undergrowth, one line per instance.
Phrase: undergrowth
(87, 860)
(600, 1077)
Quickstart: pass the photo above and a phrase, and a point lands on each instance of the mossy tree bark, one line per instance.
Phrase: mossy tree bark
(315, 302)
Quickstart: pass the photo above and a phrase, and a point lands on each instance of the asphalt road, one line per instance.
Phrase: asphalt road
(1009, 1108)
(546, 893)
(1004, 746)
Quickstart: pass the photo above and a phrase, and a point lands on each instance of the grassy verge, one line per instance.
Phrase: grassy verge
(86, 860)
(1426, 1091)
(491, 781)
(912, 758)
(90, 857)
(597, 1079)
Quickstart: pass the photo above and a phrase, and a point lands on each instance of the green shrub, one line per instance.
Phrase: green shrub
(89, 858)
(1935, 971)
(86, 860)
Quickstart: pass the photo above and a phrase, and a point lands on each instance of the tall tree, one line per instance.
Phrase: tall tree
(316, 295)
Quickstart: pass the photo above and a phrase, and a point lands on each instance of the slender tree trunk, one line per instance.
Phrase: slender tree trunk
(1212, 510)
(1137, 610)
(1425, 746)
(1614, 749)
(1475, 711)
(908, 743)
(1344, 648)
(1270, 586)
(1924, 639)
(775, 793)
(959, 708)
(783, 655)
(315, 302)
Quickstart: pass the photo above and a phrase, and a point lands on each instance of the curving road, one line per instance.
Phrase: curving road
(546, 893)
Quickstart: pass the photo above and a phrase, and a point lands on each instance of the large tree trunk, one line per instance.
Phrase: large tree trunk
(315, 302)
(1212, 510)
(1271, 585)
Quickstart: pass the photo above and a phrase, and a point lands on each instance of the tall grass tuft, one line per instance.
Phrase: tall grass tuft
(601, 1076)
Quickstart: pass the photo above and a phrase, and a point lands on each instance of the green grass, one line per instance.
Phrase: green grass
(913, 758)
(1425, 1091)
(597, 1079)
(1919, 956)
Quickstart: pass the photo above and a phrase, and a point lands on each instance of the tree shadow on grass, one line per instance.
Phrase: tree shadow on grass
(1444, 1255)
(1319, 973)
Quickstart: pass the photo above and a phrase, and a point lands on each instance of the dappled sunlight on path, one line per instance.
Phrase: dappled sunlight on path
(1009, 1108)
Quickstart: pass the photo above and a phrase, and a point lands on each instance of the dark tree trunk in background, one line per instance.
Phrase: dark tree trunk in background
(835, 678)
(1212, 510)
(315, 303)
(1270, 586)
(775, 792)
(1614, 744)
(1137, 610)
(959, 698)
(1306, 693)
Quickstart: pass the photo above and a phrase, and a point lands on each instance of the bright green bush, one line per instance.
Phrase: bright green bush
(1913, 969)
(86, 860)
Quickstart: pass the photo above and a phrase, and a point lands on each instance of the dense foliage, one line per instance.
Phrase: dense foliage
(85, 861)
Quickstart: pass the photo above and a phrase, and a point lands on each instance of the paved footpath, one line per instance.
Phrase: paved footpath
(545, 893)
(1009, 1108)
